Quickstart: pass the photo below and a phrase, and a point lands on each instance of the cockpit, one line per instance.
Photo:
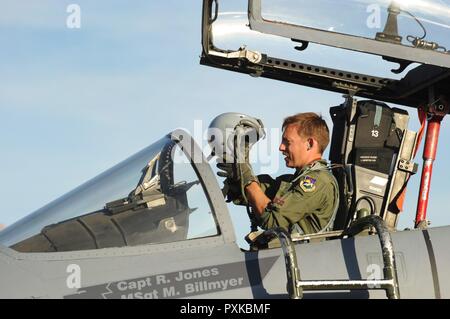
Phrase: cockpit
(155, 196)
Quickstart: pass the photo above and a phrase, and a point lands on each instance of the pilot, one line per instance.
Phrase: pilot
(304, 202)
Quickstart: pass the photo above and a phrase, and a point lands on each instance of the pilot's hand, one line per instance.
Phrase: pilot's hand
(246, 175)
(238, 177)
(232, 191)
(237, 172)
(247, 134)
(227, 170)
(244, 141)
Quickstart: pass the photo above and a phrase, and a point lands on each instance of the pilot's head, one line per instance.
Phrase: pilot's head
(305, 137)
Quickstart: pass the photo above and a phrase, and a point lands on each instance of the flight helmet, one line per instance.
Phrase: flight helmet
(225, 127)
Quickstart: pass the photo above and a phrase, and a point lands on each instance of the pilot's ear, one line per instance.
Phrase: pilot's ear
(310, 144)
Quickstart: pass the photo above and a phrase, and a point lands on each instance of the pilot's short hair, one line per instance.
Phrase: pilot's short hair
(310, 125)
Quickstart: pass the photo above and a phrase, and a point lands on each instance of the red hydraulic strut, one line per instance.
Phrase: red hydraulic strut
(436, 113)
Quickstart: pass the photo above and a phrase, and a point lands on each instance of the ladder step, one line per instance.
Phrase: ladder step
(344, 284)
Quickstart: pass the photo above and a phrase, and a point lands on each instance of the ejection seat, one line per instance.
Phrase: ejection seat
(372, 150)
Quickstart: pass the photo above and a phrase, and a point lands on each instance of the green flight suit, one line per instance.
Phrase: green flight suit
(306, 199)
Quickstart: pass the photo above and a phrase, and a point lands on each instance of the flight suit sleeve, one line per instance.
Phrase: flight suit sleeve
(268, 185)
(291, 204)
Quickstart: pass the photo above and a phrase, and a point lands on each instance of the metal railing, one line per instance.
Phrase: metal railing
(296, 286)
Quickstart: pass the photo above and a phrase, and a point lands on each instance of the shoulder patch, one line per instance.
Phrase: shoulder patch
(308, 184)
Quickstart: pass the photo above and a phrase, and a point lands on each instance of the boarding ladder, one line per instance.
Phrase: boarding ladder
(296, 286)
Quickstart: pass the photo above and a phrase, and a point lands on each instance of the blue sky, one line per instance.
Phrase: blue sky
(74, 102)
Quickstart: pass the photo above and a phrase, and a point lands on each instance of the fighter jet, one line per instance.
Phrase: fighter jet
(157, 226)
